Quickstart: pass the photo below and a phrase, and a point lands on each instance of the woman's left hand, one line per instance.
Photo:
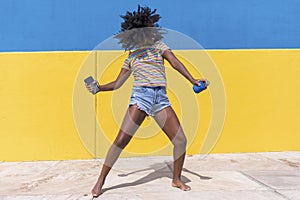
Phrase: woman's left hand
(207, 83)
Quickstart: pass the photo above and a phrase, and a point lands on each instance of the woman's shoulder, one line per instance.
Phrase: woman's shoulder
(161, 46)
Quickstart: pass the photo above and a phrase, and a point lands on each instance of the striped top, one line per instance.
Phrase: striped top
(147, 65)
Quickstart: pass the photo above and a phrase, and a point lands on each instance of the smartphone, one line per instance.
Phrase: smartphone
(90, 81)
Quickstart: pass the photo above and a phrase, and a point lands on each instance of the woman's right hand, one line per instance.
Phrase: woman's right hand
(91, 87)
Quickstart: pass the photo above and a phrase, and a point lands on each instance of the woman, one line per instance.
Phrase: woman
(140, 35)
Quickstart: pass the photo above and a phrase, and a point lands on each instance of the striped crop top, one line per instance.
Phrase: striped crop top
(147, 65)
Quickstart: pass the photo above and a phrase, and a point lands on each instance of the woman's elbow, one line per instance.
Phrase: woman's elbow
(175, 66)
(118, 84)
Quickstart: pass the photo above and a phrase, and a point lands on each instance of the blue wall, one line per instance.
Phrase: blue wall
(47, 25)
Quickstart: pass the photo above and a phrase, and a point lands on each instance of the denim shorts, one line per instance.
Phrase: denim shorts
(149, 99)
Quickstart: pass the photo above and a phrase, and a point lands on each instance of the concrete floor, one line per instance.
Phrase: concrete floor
(254, 176)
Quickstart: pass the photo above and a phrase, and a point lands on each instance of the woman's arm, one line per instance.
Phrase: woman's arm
(120, 80)
(116, 84)
(177, 65)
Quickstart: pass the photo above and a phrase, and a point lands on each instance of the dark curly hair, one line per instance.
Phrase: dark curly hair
(139, 29)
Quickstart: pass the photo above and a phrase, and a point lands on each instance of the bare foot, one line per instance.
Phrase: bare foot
(179, 184)
(97, 190)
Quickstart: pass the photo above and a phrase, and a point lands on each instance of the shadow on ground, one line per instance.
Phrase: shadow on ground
(160, 171)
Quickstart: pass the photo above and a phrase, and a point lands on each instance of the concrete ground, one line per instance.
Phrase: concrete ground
(254, 176)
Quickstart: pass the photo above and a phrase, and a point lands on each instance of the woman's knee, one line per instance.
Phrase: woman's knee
(122, 140)
(179, 140)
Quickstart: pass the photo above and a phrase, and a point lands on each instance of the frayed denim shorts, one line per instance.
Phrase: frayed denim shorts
(149, 99)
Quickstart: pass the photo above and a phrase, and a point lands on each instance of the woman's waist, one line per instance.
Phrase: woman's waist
(150, 84)
(150, 87)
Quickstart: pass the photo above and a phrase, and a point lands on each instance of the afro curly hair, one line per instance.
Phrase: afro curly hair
(139, 29)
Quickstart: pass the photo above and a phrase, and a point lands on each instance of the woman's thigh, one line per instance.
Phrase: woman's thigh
(169, 123)
(131, 122)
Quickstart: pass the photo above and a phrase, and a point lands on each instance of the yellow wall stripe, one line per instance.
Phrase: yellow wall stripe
(36, 118)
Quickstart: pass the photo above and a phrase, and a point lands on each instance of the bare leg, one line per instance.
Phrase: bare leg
(170, 124)
(131, 122)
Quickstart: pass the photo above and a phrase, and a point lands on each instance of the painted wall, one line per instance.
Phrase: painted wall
(50, 25)
(44, 45)
(38, 122)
